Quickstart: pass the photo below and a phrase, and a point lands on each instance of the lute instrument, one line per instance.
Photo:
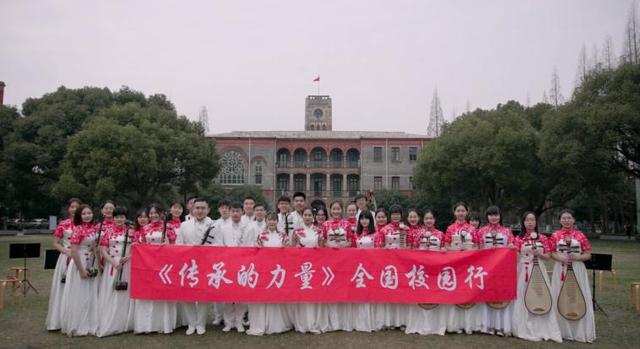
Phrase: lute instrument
(537, 296)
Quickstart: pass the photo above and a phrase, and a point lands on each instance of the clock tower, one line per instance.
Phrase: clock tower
(317, 113)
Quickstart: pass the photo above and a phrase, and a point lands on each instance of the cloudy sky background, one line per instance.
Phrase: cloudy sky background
(251, 63)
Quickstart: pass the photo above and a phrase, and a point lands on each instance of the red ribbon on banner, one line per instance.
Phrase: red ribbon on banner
(322, 275)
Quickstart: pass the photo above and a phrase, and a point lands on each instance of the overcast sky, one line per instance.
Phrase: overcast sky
(251, 63)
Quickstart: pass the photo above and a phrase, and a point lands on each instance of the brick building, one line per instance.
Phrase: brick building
(324, 164)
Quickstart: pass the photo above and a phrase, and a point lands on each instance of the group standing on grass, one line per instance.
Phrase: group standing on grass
(89, 293)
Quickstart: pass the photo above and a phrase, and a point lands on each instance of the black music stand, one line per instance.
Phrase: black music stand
(51, 258)
(31, 250)
(598, 261)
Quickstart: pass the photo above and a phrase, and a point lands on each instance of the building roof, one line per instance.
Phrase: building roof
(318, 134)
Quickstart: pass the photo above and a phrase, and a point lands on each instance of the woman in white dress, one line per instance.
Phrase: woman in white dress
(497, 316)
(116, 307)
(571, 246)
(155, 316)
(427, 318)
(525, 324)
(270, 318)
(337, 233)
(305, 316)
(362, 314)
(61, 242)
(80, 298)
(460, 236)
(392, 315)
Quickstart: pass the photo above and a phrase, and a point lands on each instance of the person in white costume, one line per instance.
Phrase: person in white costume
(194, 232)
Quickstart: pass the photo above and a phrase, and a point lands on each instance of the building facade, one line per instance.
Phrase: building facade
(326, 165)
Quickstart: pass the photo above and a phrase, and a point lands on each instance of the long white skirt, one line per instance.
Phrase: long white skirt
(56, 311)
(362, 317)
(80, 299)
(116, 307)
(422, 321)
(497, 319)
(305, 317)
(390, 315)
(467, 320)
(154, 316)
(529, 326)
(335, 317)
(583, 330)
(268, 318)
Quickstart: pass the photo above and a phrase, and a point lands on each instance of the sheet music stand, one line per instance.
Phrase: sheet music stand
(598, 261)
(30, 250)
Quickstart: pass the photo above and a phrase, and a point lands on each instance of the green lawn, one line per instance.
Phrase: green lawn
(22, 325)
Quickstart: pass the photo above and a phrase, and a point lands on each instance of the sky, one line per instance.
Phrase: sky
(252, 63)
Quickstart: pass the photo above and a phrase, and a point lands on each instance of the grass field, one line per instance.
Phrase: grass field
(22, 325)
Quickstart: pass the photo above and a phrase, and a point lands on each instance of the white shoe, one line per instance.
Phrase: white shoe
(200, 329)
(240, 328)
(227, 328)
(217, 322)
(190, 330)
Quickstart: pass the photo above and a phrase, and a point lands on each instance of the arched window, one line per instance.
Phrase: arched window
(232, 168)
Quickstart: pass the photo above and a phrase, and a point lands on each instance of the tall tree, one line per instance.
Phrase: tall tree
(555, 92)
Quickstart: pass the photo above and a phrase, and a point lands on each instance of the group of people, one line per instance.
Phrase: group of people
(89, 293)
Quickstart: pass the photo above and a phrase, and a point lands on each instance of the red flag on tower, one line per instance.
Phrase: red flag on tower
(317, 78)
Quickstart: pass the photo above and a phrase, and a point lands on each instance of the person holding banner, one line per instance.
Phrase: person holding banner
(305, 316)
(460, 236)
(392, 236)
(496, 315)
(362, 314)
(427, 318)
(231, 234)
(116, 308)
(570, 282)
(61, 242)
(80, 298)
(269, 318)
(196, 232)
(534, 316)
(337, 233)
(155, 316)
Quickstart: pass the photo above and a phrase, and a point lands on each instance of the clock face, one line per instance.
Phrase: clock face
(318, 113)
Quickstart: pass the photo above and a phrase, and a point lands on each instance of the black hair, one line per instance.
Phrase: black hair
(156, 207)
(271, 216)
(120, 211)
(284, 198)
(474, 217)
(224, 202)
(298, 194)
(201, 200)
(248, 197)
(493, 210)
(358, 197)
(567, 210)
(259, 205)
(460, 203)
(77, 217)
(72, 200)
(108, 202)
(336, 202)
(395, 209)
(236, 205)
(372, 223)
(192, 197)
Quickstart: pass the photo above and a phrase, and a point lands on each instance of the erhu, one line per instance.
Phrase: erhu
(91, 271)
(123, 285)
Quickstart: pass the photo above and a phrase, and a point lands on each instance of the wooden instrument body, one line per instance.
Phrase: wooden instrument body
(571, 302)
(465, 306)
(428, 306)
(537, 296)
